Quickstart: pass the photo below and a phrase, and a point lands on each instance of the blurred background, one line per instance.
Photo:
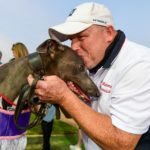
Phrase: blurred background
(28, 21)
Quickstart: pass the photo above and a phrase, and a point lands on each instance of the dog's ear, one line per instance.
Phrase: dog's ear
(42, 48)
(54, 47)
(50, 47)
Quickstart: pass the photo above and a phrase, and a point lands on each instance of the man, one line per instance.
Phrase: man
(0, 58)
(119, 119)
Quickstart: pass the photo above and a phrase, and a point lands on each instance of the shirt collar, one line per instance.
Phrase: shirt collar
(111, 52)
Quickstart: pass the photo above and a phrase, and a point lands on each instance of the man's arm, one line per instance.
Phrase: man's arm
(96, 125)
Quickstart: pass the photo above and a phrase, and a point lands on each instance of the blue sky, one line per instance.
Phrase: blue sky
(28, 21)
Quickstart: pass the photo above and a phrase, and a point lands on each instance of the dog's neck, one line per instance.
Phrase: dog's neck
(35, 62)
(13, 76)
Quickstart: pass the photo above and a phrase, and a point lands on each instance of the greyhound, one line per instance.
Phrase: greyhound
(51, 58)
(56, 59)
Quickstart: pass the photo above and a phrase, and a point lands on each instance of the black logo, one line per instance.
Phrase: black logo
(72, 12)
(101, 21)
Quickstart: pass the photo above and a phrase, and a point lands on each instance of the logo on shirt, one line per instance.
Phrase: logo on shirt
(105, 87)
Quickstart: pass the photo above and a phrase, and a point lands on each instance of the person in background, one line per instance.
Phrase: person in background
(0, 58)
(18, 142)
(47, 126)
(65, 117)
(119, 118)
(19, 50)
(78, 145)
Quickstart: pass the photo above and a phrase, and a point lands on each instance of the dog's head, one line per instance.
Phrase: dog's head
(62, 61)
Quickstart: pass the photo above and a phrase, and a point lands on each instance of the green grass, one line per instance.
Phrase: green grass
(62, 136)
(58, 142)
(59, 127)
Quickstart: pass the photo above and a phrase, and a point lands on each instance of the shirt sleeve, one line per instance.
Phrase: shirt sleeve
(130, 101)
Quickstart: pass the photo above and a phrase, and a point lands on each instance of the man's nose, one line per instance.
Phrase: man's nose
(75, 44)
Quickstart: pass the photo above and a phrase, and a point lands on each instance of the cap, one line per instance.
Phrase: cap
(80, 18)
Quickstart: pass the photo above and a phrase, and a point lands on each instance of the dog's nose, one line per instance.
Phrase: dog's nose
(97, 94)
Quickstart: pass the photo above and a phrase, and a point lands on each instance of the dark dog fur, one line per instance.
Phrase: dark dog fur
(57, 60)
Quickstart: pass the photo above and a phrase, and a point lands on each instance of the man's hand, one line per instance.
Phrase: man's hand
(51, 89)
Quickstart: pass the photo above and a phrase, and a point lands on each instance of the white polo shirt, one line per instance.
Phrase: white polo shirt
(125, 91)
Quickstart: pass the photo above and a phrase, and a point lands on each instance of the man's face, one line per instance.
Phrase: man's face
(91, 44)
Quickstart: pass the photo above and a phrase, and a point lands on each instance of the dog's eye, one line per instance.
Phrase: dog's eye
(81, 67)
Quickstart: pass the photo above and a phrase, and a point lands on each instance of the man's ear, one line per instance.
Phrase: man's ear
(111, 33)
